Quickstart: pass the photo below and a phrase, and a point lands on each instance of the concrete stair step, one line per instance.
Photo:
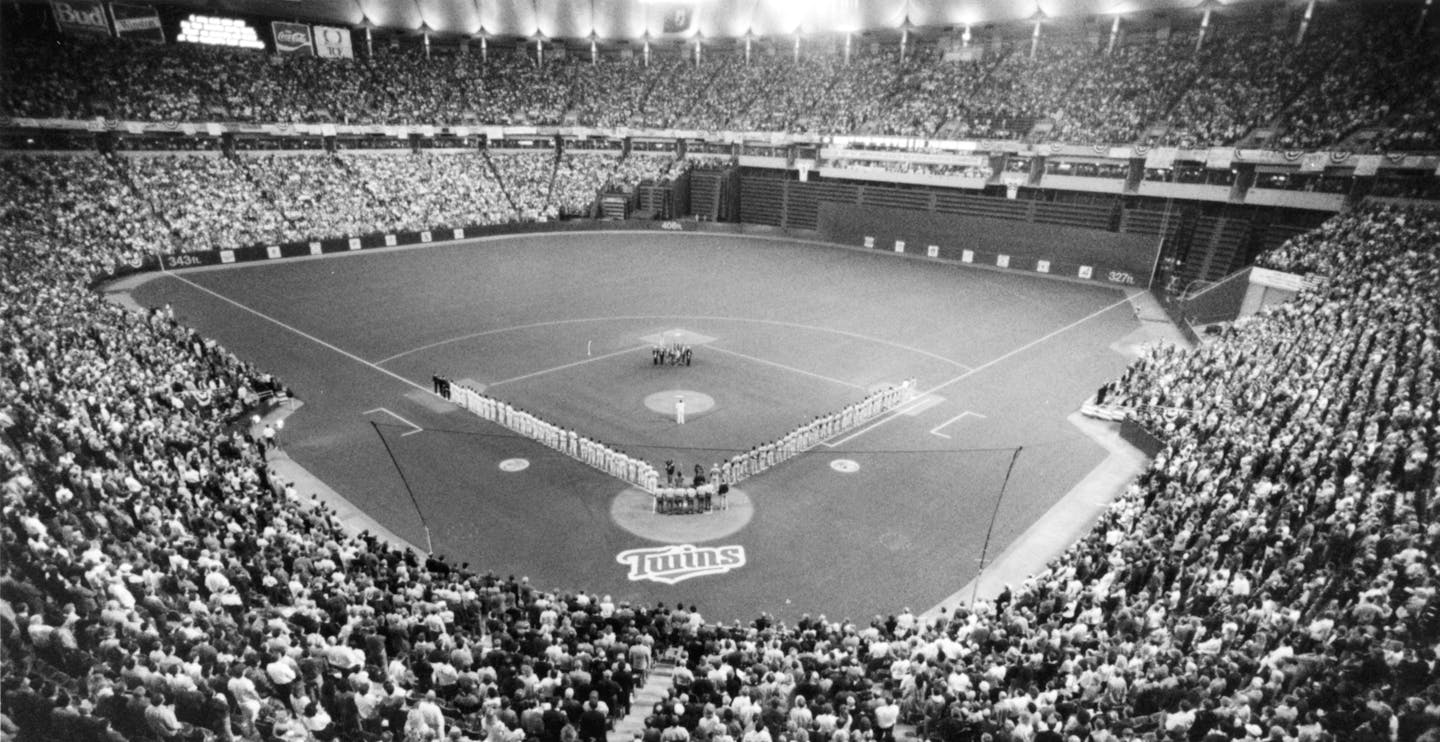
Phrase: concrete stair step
(657, 686)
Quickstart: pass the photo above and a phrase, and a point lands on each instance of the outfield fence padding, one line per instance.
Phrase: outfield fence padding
(1074, 252)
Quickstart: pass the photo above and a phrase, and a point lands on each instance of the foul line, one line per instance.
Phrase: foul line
(921, 395)
(572, 364)
(417, 428)
(787, 368)
(299, 332)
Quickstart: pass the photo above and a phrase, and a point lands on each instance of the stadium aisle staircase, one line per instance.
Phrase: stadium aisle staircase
(266, 195)
(656, 688)
(121, 169)
(500, 179)
(550, 182)
(373, 203)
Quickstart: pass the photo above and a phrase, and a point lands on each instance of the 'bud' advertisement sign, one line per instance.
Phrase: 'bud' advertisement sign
(81, 17)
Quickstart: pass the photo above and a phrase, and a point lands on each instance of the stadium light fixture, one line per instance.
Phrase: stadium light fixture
(1039, 17)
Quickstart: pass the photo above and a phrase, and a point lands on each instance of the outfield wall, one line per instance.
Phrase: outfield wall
(1073, 252)
(1034, 248)
(329, 246)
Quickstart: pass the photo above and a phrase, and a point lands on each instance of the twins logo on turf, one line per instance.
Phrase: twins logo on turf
(678, 562)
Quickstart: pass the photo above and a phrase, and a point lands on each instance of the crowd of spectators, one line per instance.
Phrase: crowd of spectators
(981, 172)
(1357, 85)
(160, 583)
(207, 202)
(1271, 575)
(181, 202)
(581, 177)
(1354, 71)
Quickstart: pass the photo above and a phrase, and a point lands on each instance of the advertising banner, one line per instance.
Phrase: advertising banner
(333, 43)
(292, 38)
(136, 21)
(80, 17)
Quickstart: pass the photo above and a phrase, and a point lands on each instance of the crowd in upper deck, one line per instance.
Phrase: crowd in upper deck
(174, 203)
(1360, 80)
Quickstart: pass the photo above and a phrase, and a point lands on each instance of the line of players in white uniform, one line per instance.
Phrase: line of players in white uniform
(641, 474)
(595, 454)
(807, 436)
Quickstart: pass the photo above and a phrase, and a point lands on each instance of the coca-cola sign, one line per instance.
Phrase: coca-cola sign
(292, 38)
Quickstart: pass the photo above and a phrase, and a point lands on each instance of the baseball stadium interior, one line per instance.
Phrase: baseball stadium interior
(720, 370)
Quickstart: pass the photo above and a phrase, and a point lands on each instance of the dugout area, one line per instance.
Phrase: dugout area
(891, 515)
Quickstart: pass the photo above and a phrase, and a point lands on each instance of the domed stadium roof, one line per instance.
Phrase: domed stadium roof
(634, 19)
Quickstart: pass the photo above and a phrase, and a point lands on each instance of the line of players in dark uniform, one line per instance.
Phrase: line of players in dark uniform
(683, 495)
(670, 354)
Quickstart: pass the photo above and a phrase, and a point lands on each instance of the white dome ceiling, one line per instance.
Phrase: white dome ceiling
(632, 19)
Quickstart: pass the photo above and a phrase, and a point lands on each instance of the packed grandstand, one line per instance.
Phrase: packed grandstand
(1271, 575)
(1356, 72)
